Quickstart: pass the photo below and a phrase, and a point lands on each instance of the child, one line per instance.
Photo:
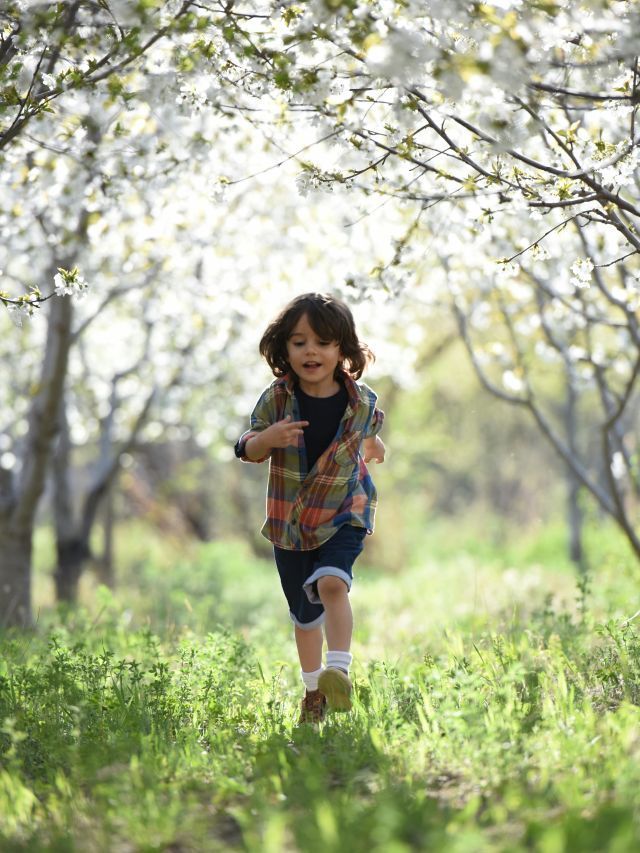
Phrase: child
(312, 423)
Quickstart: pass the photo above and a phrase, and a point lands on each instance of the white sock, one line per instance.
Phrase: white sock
(311, 678)
(340, 660)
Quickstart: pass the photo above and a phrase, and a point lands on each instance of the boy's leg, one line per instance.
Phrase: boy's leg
(338, 618)
(330, 583)
(293, 567)
(307, 618)
(334, 681)
(332, 579)
(309, 645)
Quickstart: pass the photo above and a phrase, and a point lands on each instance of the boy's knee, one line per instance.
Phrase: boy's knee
(330, 586)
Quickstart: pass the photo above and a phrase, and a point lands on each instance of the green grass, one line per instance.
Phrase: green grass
(496, 708)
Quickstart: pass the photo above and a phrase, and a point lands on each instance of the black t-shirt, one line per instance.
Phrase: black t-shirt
(324, 415)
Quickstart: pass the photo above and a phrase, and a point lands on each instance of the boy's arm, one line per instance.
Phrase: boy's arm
(375, 424)
(281, 434)
(257, 447)
(253, 446)
(373, 448)
(240, 448)
(267, 433)
(372, 445)
(262, 416)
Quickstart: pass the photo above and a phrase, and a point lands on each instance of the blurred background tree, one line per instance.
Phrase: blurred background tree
(463, 176)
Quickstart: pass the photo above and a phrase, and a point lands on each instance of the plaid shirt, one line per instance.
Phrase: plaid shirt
(305, 508)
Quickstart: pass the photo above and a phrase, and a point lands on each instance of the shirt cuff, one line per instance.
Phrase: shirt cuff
(240, 448)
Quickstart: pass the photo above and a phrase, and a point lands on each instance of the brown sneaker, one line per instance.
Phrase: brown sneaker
(335, 685)
(312, 707)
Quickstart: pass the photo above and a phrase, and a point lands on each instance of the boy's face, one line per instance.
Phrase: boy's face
(312, 359)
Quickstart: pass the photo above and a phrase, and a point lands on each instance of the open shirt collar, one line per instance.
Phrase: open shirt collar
(353, 392)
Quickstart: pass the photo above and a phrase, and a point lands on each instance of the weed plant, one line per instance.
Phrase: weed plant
(492, 712)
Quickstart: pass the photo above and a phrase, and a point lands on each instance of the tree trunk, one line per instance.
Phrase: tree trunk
(15, 577)
(72, 543)
(574, 512)
(610, 498)
(17, 520)
(73, 537)
(69, 549)
(105, 564)
(575, 519)
(72, 554)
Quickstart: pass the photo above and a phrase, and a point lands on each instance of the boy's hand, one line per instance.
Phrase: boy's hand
(373, 448)
(285, 432)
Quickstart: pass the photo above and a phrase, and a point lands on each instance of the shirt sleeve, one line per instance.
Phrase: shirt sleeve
(375, 423)
(262, 416)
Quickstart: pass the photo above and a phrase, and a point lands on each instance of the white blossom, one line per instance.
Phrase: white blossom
(507, 271)
(512, 382)
(22, 308)
(311, 180)
(545, 352)
(622, 173)
(577, 353)
(194, 95)
(618, 466)
(581, 270)
(69, 283)
(125, 12)
(7, 460)
(25, 75)
(219, 189)
(401, 57)
(303, 183)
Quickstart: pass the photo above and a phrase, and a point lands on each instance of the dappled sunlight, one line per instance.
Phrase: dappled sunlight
(392, 248)
(415, 607)
(480, 726)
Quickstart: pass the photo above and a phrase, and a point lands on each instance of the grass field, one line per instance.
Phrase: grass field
(496, 708)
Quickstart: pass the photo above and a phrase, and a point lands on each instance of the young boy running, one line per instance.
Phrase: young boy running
(318, 427)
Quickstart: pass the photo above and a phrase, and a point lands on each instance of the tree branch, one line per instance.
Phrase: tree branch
(575, 93)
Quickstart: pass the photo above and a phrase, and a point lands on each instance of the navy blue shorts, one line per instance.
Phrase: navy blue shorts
(300, 570)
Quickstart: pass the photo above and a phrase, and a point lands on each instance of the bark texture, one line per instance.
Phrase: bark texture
(15, 577)
(19, 497)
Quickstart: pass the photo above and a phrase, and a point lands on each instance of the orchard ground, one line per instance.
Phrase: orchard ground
(496, 706)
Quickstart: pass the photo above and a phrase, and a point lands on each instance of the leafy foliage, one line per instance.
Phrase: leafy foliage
(498, 732)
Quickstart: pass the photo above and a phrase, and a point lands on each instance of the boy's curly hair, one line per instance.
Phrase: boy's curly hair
(330, 319)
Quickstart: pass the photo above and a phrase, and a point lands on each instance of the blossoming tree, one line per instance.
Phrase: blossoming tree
(78, 83)
(503, 134)
(508, 132)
